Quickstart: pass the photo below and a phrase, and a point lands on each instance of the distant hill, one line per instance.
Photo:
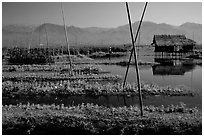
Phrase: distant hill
(191, 28)
(20, 35)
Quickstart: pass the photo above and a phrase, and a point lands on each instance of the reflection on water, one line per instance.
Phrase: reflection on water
(172, 67)
(171, 70)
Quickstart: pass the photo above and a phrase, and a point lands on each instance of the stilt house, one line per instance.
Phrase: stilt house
(170, 48)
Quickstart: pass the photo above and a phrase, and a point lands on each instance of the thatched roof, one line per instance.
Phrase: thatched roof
(172, 40)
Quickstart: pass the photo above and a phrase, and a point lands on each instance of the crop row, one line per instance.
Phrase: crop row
(79, 87)
(94, 119)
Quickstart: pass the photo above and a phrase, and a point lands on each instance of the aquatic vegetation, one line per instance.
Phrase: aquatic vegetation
(82, 87)
(107, 55)
(94, 119)
(56, 72)
(52, 67)
(54, 76)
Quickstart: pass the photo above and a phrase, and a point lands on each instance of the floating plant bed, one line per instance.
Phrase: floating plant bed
(53, 67)
(93, 119)
(13, 89)
(42, 76)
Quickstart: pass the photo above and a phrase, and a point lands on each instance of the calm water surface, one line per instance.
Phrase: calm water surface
(191, 78)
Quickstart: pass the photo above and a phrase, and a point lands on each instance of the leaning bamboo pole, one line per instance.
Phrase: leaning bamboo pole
(135, 57)
(66, 37)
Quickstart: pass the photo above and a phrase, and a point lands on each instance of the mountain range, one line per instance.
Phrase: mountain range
(21, 35)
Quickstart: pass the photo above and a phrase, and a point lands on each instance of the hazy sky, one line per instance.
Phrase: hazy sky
(100, 14)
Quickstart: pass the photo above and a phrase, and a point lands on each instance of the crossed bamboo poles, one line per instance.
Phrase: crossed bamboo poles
(135, 54)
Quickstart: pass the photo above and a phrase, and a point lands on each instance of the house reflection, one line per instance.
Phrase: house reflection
(172, 67)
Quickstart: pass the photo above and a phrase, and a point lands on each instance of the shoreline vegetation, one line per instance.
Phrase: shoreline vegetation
(52, 119)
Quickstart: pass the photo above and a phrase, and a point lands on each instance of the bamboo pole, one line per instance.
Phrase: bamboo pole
(66, 36)
(135, 57)
(135, 42)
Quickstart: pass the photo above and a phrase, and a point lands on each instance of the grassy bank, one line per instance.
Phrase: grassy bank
(94, 119)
